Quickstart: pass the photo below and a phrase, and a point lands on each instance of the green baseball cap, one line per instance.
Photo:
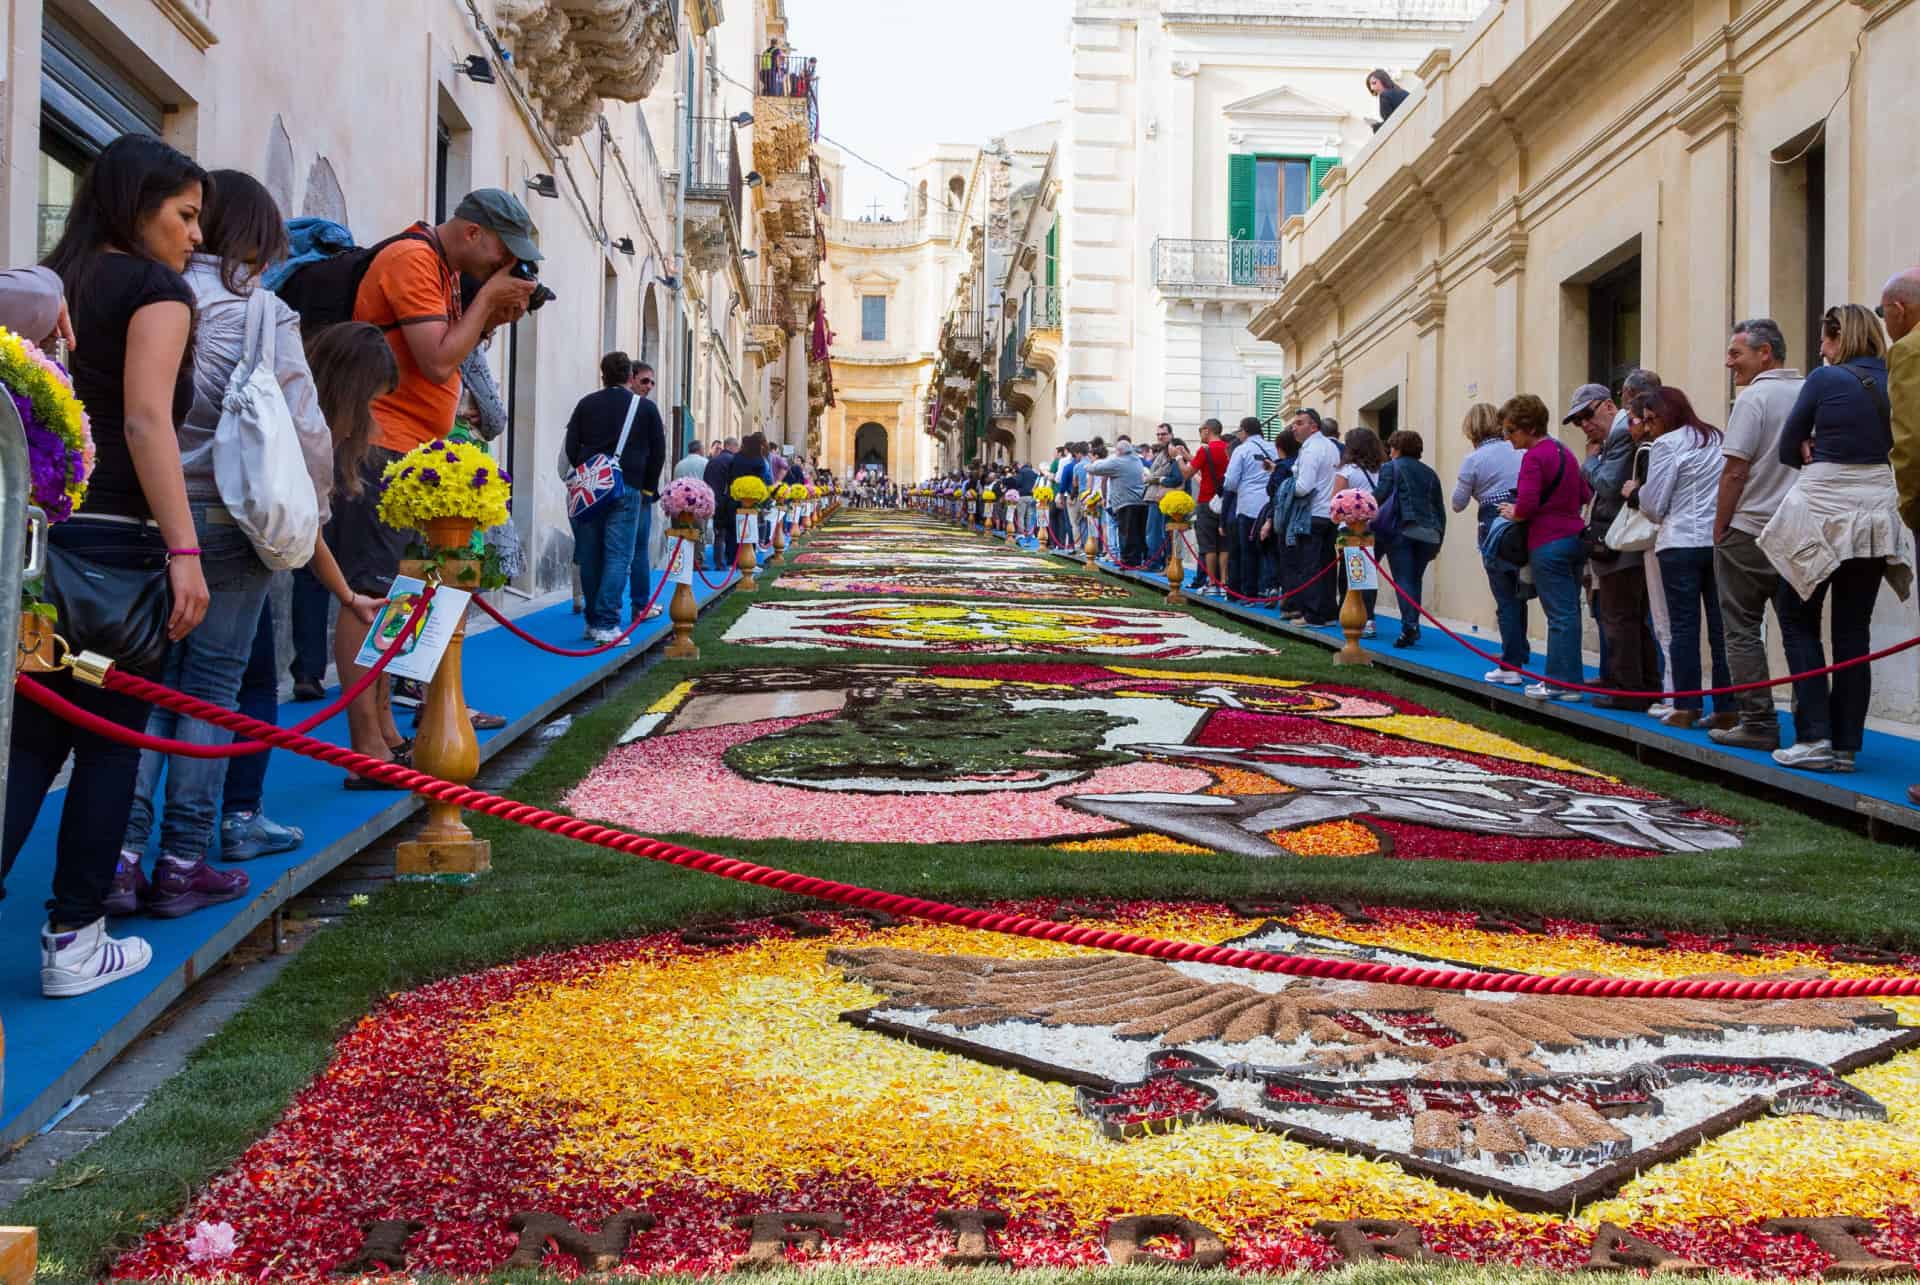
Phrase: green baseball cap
(502, 214)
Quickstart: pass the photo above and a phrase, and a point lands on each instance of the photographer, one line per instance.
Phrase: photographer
(412, 292)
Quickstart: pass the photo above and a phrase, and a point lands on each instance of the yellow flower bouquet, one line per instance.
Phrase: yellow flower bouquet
(1043, 494)
(444, 480)
(748, 492)
(989, 496)
(1176, 506)
(1091, 499)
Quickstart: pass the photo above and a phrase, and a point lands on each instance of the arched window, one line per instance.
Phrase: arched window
(957, 190)
(923, 196)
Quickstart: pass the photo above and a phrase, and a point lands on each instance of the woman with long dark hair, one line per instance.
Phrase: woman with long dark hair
(1681, 493)
(133, 225)
(1381, 86)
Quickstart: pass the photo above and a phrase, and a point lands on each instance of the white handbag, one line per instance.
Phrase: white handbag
(257, 463)
(1631, 531)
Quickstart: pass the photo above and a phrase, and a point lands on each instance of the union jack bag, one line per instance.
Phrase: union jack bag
(597, 481)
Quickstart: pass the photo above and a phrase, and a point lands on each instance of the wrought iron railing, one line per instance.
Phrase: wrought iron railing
(766, 307)
(713, 163)
(1043, 307)
(1217, 265)
(786, 74)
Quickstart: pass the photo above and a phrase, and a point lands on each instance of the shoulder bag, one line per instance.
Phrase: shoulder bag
(597, 481)
(119, 612)
(257, 462)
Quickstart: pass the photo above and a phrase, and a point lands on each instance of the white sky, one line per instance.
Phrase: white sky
(898, 76)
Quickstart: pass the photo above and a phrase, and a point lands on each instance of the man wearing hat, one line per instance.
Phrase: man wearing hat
(412, 292)
(1628, 658)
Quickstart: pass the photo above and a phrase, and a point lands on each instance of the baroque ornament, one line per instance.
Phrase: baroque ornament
(573, 53)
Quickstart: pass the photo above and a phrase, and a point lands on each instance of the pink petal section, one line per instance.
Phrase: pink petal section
(678, 783)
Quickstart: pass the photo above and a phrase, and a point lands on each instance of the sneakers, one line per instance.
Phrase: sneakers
(1812, 756)
(180, 888)
(85, 959)
(247, 835)
(614, 636)
(1407, 640)
(129, 886)
(1747, 736)
(1505, 677)
(1660, 709)
(1367, 630)
(1542, 692)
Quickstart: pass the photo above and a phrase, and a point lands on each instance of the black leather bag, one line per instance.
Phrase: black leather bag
(119, 612)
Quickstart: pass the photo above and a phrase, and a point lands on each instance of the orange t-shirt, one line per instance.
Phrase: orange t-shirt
(408, 283)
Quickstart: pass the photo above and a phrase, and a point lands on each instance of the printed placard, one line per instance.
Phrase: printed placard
(749, 528)
(1361, 573)
(420, 656)
(680, 567)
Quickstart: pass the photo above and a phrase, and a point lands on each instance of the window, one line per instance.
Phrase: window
(1269, 398)
(1279, 193)
(873, 318)
(1613, 324)
(85, 103)
(1798, 246)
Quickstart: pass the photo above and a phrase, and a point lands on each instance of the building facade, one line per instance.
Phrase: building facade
(597, 115)
(1545, 213)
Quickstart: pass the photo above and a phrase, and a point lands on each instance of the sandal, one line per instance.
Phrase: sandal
(483, 722)
(372, 783)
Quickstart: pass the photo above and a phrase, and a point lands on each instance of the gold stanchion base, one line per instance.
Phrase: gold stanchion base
(19, 1252)
(451, 859)
(1353, 619)
(684, 612)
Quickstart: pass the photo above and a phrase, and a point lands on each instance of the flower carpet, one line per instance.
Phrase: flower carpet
(702, 1087)
(869, 1075)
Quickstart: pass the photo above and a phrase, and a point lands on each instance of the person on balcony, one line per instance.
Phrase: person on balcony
(1381, 86)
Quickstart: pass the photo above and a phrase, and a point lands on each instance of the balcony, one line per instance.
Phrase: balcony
(1218, 269)
(961, 341)
(713, 169)
(786, 114)
(1044, 307)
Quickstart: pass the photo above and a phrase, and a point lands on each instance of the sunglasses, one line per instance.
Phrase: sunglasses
(645, 383)
(1581, 420)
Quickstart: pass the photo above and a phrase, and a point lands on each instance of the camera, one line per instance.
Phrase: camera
(524, 270)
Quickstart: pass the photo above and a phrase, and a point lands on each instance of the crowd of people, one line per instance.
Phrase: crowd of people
(1680, 533)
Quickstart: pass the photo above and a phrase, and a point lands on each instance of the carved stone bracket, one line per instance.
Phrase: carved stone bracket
(574, 53)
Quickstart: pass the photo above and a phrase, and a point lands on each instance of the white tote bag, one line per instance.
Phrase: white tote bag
(257, 463)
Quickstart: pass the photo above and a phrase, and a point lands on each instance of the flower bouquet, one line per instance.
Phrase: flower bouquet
(59, 462)
(445, 490)
(989, 496)
(748, 492)
(688, 502)
(1091, 499)
(1353, 509)
(1176, 506)
(1043, 494)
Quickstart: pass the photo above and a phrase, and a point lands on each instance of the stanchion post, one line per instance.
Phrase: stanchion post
(682, 610)
(1093, 533)
(19, 1246)
(444, 744)
(1176, 573)
(747, 535)
(779, 537)
(1353, 609)
(1013, 519)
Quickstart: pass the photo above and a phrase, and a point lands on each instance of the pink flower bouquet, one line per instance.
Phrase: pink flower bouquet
(689, 498)
(1353, 507)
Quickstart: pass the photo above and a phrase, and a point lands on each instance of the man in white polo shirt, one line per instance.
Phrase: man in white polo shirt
(1313, 474)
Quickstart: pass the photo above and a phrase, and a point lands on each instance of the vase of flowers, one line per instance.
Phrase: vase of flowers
(1354, 509)
(1091, 501)
(749, 493)
(688, 503)
(59, 462)
(1177, 508)
(445, 490)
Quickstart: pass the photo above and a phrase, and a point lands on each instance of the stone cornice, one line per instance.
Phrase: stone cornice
(194, 18)
(1878, 11)
(1709, 107)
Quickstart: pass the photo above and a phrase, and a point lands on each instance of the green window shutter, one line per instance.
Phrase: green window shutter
(1321, 164)
(1240, 182)
(1053, 253)
(1269, 396)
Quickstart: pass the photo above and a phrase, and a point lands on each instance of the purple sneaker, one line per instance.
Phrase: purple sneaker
(179, 889)
(129, 888)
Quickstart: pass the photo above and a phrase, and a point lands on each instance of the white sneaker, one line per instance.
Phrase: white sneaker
(1816, 756)
(1505, 677)
(614, 636)
(1368, 631)
(1660, 709)
(85, 959)
(1542, 692)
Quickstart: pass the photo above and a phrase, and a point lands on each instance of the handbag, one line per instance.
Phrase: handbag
(597, 481)
(1510, 543)
(1631, 531)
(1388, 524)
(257, 462)
(119, 612)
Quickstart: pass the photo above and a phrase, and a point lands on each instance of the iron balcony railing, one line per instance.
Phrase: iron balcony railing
(765, 306)
(1217, 265)
(713, 166)
(1043, 307)
(786, 74)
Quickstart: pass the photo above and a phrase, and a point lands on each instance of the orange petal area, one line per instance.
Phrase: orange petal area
(1237, 781)
(1329, 839)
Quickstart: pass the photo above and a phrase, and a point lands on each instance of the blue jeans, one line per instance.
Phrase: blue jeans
(311, 603)
(641, 571)
(1687, 576)
(1824, 709)
(1407, 562)
(209, 663)
(94, 813)
(1156, 537)
(1556, 578)
(603, 548)
(259, 698)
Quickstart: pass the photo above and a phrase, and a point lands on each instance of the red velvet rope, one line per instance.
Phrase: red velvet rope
(939, 912)
(1276, 599)
(241, 749)
(1822, 672)
(639, 618)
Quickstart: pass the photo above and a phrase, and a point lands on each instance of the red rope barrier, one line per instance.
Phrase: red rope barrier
(1822, 672)
(242, 749)
(1276, 599)
(639, 618)
(940, 912)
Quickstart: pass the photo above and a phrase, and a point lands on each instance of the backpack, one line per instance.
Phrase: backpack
(257, 462)
(323, 290)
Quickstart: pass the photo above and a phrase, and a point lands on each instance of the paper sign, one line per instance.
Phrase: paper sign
(749, 528)
(1361, 573)
(680, 570)
(420, 656)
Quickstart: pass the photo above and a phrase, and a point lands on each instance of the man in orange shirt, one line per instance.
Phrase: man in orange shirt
(412, 292)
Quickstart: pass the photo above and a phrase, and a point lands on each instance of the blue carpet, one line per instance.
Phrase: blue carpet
(53, 1045)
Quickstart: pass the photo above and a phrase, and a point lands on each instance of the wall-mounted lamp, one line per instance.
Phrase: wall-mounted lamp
(475, 67)
(749, 254)
(754, 179)
(743, 119)
(544, 185)
(624, 245)
(671, 282)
